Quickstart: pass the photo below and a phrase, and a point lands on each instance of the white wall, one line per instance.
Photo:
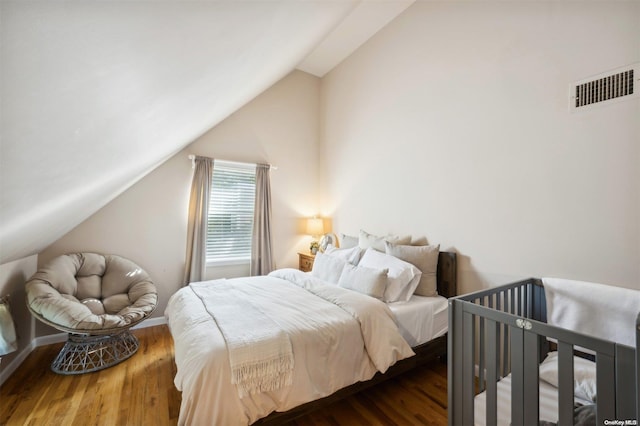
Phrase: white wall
(148, 222)
(453, 122)
(13, 275)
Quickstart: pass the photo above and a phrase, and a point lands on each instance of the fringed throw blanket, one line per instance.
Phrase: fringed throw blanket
(260, 353)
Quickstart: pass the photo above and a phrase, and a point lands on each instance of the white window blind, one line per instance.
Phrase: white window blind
(230, 219)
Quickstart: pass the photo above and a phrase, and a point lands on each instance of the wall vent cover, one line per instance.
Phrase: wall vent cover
(613, 86)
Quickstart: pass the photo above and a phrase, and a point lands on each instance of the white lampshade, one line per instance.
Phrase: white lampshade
(315, 226)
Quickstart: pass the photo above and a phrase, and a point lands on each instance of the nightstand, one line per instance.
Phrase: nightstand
(305, 261)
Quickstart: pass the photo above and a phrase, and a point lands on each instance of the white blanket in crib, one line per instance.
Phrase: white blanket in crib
(598, 310)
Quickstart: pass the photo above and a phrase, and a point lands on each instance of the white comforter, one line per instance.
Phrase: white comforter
(338, 336)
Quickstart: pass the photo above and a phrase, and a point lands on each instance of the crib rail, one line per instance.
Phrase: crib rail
(524, 299)
(502, 331)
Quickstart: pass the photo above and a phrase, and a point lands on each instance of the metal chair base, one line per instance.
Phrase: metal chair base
(86, 353)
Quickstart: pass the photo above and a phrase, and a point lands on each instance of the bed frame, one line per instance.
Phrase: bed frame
(447, 286)
(503, 331)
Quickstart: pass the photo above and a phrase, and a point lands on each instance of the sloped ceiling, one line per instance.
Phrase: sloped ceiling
(366, 19)
(96, 94)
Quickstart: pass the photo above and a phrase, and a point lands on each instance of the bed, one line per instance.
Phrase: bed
(545, 351)
(341, 340)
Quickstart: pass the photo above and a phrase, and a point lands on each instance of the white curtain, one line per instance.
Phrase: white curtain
(196, 259)
(261, 256)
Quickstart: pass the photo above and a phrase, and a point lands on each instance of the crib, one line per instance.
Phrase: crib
(501, 335)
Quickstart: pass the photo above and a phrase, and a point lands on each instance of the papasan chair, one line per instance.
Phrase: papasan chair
(96, 299)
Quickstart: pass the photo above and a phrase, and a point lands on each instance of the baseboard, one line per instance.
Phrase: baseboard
(62, 337)
(49, 339)
(59, 338)
(13, 365)
(151, 322)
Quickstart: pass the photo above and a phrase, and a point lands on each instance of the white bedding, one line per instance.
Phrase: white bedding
(421, 319)
(548, 403)
(329, 327)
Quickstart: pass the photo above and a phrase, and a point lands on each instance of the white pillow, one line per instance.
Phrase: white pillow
(327, 268)
(584, 375)
(351, 255)
(369, 281)
(424, 258)
(402, 279)
(348, 241)
(366, 240)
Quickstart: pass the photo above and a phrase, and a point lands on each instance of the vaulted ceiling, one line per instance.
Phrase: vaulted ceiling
(94, 94)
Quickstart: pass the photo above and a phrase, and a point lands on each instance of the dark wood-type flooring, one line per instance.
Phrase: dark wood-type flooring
(140, 391)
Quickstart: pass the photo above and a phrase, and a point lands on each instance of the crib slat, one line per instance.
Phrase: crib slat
(529, 300)
(501, 303)
(565, 383)
(637, 367)
(481, 354)
(454, 372)
(540, 305)
(492, 372)
(626, 397)
(512, 296)
(467, 369)
(517, 376)
(540, 314)
(505, 350)
(531, 393)
(507, 358)
(606, 401)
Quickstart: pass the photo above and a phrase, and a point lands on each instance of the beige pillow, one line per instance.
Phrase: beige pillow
(424, 258)
(366, 240)
(348, 241)
(419, 241)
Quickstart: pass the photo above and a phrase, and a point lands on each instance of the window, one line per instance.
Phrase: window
(230, 220)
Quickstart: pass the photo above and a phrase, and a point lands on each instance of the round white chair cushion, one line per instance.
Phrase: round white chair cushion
(91, 293)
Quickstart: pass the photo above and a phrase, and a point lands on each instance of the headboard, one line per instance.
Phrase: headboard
(447, 274)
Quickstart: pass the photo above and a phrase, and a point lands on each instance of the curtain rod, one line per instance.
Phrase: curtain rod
(193, 162)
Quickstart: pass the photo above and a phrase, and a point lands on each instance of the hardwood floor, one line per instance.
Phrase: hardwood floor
(418, 397)
(140, 391)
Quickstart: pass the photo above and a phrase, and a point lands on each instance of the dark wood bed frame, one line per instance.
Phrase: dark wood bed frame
(447, 287)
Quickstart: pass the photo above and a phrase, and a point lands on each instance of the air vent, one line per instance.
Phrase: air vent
(617, 85)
